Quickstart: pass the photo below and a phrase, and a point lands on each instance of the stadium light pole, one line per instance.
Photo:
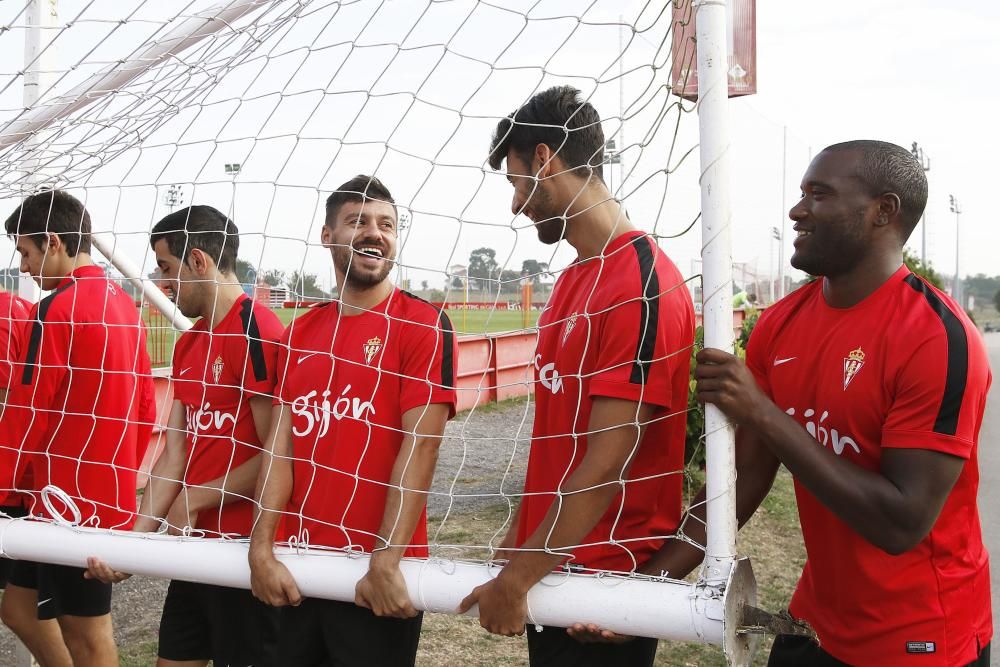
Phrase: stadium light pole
(956, 288)
(925, 164)
(784, 209)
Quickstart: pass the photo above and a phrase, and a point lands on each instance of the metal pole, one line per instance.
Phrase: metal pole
(784, 216)
(956, 288)
(716, 220)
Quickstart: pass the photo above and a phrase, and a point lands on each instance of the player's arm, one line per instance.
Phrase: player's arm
(270, 580)
(383, 589)
(893, 508)
(614, 431)
(237, 484)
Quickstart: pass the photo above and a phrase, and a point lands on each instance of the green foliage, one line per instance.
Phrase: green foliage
(245, 273)
(483, 268)
(996, 300)
(273, 277)
(925, 271)
(694, 447)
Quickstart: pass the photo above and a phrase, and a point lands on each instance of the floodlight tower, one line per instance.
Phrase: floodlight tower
(956, 289)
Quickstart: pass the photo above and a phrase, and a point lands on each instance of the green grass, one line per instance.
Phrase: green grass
(161, 335)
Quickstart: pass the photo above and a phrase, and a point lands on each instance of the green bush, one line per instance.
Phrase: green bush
(694, 447)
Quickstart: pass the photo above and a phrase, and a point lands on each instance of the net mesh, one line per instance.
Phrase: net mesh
(263, 117)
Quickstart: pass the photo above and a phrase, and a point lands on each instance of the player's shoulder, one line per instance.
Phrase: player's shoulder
(926, 309)
(637, 265)
(302, 324)
(409, 307)
(267, 320)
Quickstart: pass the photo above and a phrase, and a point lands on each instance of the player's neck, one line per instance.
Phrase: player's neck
(355, 301)
(220, 300)
(853, 287)
(68, 265)
(596, 220)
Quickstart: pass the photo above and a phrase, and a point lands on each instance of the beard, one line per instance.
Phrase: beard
(551, 223)
(354, 276)
(832, 250)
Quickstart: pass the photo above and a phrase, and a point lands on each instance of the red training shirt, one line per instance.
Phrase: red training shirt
(13, 330)
(82, 397)
(347, 382)
(904, 368)
(215, 374)
(620, 325)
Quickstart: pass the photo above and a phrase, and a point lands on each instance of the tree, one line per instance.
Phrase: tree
(925, 271)
(534, 269)
(424, 285)
(996, 300)
(273, 277)
(306, 285)
(510, 281)
(246, 274)
(483, 267)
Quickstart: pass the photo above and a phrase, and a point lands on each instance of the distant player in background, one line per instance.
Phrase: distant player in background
(223, 380)
(80, 399)
(612, 371)
(365, 387)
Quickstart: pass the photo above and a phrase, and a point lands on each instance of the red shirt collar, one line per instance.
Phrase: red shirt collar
(89, 271)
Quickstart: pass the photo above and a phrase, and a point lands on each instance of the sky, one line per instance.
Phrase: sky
(411, 90)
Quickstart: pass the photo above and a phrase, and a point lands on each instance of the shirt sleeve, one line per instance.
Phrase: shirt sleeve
(638, 342)
(146, 396)
(428, 361)
(281, 364)
(258, 355)
(11, 333)
(757, 353)
(939, 395)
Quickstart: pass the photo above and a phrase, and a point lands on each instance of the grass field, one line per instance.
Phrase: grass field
(161, 335)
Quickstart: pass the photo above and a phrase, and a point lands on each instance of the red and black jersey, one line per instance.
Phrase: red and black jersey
(620, 325)
(215, 374)
(904, 368)
(346, 382)
(81, 396)
(13, 326)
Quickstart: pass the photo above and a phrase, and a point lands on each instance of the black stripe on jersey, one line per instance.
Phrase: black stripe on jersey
(650, 316)
(956, 376)
(35, 341)
(255, 346)
(447, 343)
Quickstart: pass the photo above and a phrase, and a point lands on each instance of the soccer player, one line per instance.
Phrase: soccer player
(81, 392)
(869, 386)
(223, 380)
(612, 381)
(365, 387)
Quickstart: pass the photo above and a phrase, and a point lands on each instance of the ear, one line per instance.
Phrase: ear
(888, 210)
(199, 262)
(326, 235)
(541, 161)
(52, 243)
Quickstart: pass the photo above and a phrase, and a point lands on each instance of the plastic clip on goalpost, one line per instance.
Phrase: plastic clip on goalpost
(706, 611)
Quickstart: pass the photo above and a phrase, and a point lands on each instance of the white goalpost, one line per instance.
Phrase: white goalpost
(293, 96)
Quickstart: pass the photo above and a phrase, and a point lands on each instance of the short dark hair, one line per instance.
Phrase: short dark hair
(201, 227)
(56, 212)
(561, 120)
(361, 188)
(886, 167)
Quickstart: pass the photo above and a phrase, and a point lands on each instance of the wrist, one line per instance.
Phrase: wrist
(514, 580)
(385, 560)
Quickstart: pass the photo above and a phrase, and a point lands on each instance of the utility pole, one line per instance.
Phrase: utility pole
(777, 235)
(925, 164)
(956, 289)
(784, 212)
(173, 197)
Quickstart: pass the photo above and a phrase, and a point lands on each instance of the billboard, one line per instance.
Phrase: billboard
(741, 20)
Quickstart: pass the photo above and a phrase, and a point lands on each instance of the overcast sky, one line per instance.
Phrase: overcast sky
(370, 87)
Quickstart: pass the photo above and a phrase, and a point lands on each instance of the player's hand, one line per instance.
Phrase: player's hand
(101, 571)
(272, 583)
(383, 590)
(588, 633)
(183, 514)
(726, 382)
(502, 609)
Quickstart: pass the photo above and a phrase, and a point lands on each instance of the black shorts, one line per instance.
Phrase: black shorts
(62, 590)
(327, 632)
(226, 625)
(793, 651)
(6, 564)
(553, 646)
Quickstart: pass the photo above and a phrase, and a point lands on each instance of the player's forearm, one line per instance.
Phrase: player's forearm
(274, 485)
(865, 500)
(163, 486)
(406, 498)
(238, 484)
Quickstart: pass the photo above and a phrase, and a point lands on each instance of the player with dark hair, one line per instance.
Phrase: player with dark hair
(612, 376)
(869, 386)
(365, 387)
(80, 403)
(223, 380)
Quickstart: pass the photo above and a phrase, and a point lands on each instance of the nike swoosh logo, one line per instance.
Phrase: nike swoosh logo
(184, 371)
(778, 362)
(44, 601)
(304, 357)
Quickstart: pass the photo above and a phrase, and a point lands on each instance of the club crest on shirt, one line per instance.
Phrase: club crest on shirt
(217, 367)
(568, 327)
(853, 362)
(372, 346)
